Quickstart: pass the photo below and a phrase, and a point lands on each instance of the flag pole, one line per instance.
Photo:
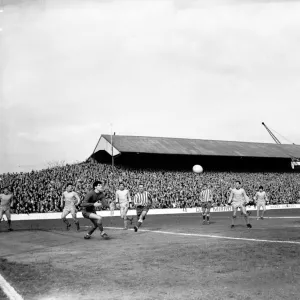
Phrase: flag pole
(112, 148)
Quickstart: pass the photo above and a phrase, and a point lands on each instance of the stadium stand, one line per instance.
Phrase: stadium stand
(170, 179)
(175, 153)
(40, 191)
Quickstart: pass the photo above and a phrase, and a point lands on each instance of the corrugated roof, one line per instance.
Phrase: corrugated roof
(162, 145)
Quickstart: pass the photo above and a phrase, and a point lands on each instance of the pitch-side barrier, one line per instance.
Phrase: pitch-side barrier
(167, 211)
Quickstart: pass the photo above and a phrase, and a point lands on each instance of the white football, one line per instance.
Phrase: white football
(197, 169)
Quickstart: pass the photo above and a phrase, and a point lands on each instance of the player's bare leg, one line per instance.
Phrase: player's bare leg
(246, 217)
(263, 211)
(203, 215)
(130, 219)
(125, 223)
(97, 223)
(125, 217)
(247, 211)
(8, 217)
(1, 216)
(91, 231)
(263, 207)
(112, 212)
(207, 216)
(244, 214)
(204, 218)
(141, 218)
(258, 208)
(9, 224)
(233, 217)
(64, 219)
(76, 222)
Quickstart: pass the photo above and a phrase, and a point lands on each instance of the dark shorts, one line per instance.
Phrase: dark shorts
(140, 209)
(206, 205)
(86, 214)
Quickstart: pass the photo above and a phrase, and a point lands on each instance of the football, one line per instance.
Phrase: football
(197, 169)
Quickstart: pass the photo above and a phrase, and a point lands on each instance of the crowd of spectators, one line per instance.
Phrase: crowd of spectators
(40, 191)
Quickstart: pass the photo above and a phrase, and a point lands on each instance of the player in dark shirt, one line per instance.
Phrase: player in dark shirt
(89, 204)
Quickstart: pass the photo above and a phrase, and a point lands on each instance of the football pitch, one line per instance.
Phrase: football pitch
(171, 257)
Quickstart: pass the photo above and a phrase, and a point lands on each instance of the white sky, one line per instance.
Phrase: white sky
(198, 69)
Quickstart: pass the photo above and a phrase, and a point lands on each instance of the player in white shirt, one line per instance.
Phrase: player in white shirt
(123, 200)
(260, 199)
(71, 199)
(238, 199)
(6, 202)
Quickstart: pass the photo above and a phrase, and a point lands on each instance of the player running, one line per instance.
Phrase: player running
(71, 199)
(206, 201)
(123, 199)
(239, 199)
(6, 202)
(142, 201)
(89, 204)
(260, 199)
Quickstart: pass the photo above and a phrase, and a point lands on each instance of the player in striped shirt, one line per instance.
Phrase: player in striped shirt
(71, 199)
(238, 198)
(142, 201)
(260, 199)
(206, 201)
(124, 200)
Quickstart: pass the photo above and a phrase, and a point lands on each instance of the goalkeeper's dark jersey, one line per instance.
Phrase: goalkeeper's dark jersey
(90, 199)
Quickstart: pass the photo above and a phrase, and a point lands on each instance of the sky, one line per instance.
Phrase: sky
(173, 68)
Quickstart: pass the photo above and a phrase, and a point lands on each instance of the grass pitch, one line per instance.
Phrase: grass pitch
(43, 261)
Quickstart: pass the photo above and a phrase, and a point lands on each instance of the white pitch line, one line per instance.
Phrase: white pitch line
(9, 290)
(215, 236)
(280, 217)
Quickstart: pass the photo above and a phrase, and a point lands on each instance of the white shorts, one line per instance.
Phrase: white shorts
(123, 209)
(69, 210)
(261, 204)
(238, 205)
(5, 211)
